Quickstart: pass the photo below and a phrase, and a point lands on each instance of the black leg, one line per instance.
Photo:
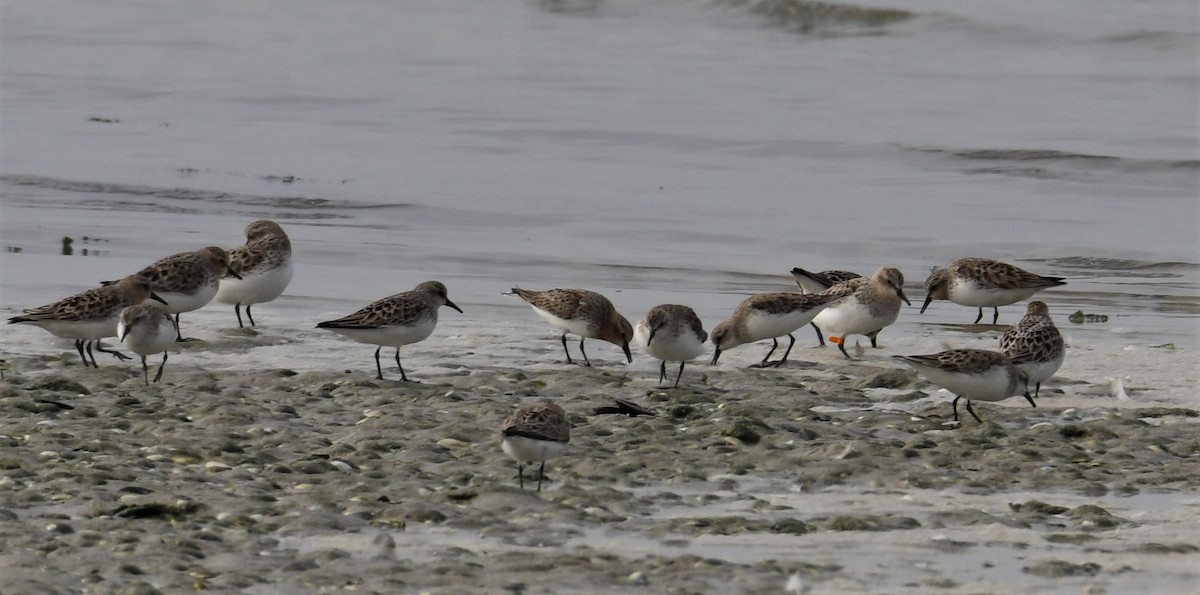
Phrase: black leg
(980, 317)
(145, 371)
(1037, 391)
(774, 344)
(116, 354)
(158, 376)
(88, 345)
(178, 333)
(677, 376)
(996, 314)
(541, 474)
(1030, 399)
(402, 376)
(874, 336)
(237, 309)
(586, 361)
(249, 315)
(662, 371)
(79, 348)
(820, 337)
(521, 475)
(378, 368)
(785, 353)
(565, 350)
(972, 412)
(954, 406)
(842, 346)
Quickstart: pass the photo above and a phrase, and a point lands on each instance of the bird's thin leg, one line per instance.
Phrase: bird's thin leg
(237, 309)
(114, 353)
(662, 371)
(677, 376)
(786, 352)
(402, 375)
(954, 406)
(586, 361)
(249, 315)
(820, 337)
(521, 475)
(842, 346)
(972, 412)
(996, 314)
(980, 317)
(774, 344)
(178, 332)
(1030, 399)
(145, 371)
(378, 368)
(88, 345)
(541, 474)
(158, 376)
(1037, 390)
(79, 348)
(874, 336)
(565, 350)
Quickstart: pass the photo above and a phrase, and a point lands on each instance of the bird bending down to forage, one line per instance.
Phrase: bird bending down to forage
(580, 312)
(972, 374)
(984, 283)
(767, 316)
(147, 330)
(671, 332)
(1035, 345)
(263, 268)
(862, 306)
(395, 320)
(188, 281)
(90, 316)
(811, 282)
(533, 434)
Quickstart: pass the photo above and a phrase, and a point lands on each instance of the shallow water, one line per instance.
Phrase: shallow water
(681, 151)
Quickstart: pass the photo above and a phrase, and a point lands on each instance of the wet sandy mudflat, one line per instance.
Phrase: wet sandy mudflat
(839, 477)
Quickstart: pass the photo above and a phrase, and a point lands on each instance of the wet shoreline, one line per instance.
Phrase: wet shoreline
(844, 477)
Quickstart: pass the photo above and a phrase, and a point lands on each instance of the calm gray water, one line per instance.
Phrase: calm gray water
(675, 150)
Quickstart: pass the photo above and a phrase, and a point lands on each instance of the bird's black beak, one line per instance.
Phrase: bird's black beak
(124, 334)
(628, 354)
(900, 292)
(454, 305)
(154, 296)
(232, 273)
(928, 299)
(650, 338)
(716, 355)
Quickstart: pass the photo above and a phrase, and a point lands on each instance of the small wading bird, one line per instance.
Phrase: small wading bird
(671, 332)
(972, 374)
(984, 283)
(767, 316)
(147, 330)
(534, 434)
(187, 281)
(395, 320)
(261, 269)
(580, 312)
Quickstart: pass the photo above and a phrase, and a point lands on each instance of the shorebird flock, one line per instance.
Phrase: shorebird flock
(143, 311)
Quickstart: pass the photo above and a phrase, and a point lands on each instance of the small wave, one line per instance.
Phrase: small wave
(1023, 155)
(1163, 39)
(298, 203)
(1117, 264)
(1050, 164)
(816, 17)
